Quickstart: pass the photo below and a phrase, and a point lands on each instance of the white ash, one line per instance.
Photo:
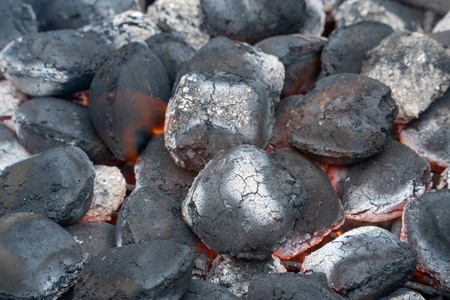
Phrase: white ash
(443, 24)
(444, 181)
(315, 18)
(404, 294)
(11, 151)
(10, 98)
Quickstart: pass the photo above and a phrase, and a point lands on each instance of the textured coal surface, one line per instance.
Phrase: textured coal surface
(322, 210)
(57, 183)
(128, 99)
(38, 258)
(16, 19)
(364, 263)
(243, 204)
(404, 294)
(290, 286)
(205, 290)
(414, 66)
(46, 123)
(300, 55)
(426, 226)
(347, 46)
(378, 189)
(345, 119)
(10, 149)
(154, 270)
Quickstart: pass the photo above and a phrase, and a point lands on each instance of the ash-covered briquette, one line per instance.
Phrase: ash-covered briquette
(314, 18)
(16, 19)
(414, 66)
(215, 111)
(57, 183)
(128, 98)
(236, 274)
(38, 258)
(154, 270)
(10, 148)
(283, 286)
(378, 189)
(149, 214)
(429, 135)
(205, 290)
(46, 123)
(364, 263)
(156, 169)
(384, 11)
(10, 98)
(443, 24)
(243, 204)
(54, 62)
(347, 46)
(442, 38)
(345, 119)
(426, 226)
(404, 294)
(444, 181)
(300, 55)
(322, 211)
(94, 238)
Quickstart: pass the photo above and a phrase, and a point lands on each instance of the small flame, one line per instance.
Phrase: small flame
(338, 233)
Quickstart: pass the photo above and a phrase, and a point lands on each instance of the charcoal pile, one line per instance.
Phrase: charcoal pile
(206, 149)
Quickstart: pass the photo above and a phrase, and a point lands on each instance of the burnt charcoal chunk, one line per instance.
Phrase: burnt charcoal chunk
(345, 119)
(364, 263)
(16, 19)
(38, 258)
(57, 183)
(148, 214)
(314, 18)
(414, 66)
(300, 55)
(347, 46)
(156, 169)
(281, 286)
(254, 20)
(378, 189)
(94, 238)
(404, 294)
(215, 111)
(205, 290)
(426, 226)
(10, 148)
(243, 204)
(46, 123)
(322, 210)
(442, 38)
(154, 270)
(128, 99)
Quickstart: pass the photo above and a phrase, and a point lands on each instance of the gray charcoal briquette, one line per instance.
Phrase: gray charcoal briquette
(10, 148)
(442, 38)
(404, 294)
(314, 19)
(205, 290)
(16, 19)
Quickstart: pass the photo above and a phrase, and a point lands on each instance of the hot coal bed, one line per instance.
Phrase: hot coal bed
(202, 149)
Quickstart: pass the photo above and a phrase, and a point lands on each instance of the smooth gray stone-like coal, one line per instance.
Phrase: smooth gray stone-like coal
(347, 46)
(404, 294)
(16, 19)
(205, 290)
(10, 148)
(283, 286)
(154, 270)
(378, 189)
(57, 183)
(345, 119)
(46, 123)
(128, 99)
(243, 204)
(38, 258)
(364, 263)
(426, 226)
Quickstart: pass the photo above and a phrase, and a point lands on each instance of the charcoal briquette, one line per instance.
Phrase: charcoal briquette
(442, 38)
(443, 24)
(444, 180)
(364, 263)
(38, 258)
(16, 19)
(57, 183)
(437, 6)
(404, 294)
(10, 148)
(205, 290)
(314, 18)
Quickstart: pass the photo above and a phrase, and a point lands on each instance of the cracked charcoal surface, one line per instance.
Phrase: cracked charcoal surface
(16, 19)
(215, 111)
(300, 56)
(383, 11)
(314, 19)
(154, 270)
(426, 226)
(236, 274)
(11, 151)
(443, 24)
(205, 290)
(253, 20)
(429, 135)
(364, 263)
(347, 46)
(290, 286)
(46, 123)
(444, 181)
(57, 183)
(156, 169)
(243, 204)
(38, 258)
(378, 189)
(414, 66)
(322, 210)
(10, 98)
(345, 119)
(127, 105)
(148, 214)
(404, 294)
